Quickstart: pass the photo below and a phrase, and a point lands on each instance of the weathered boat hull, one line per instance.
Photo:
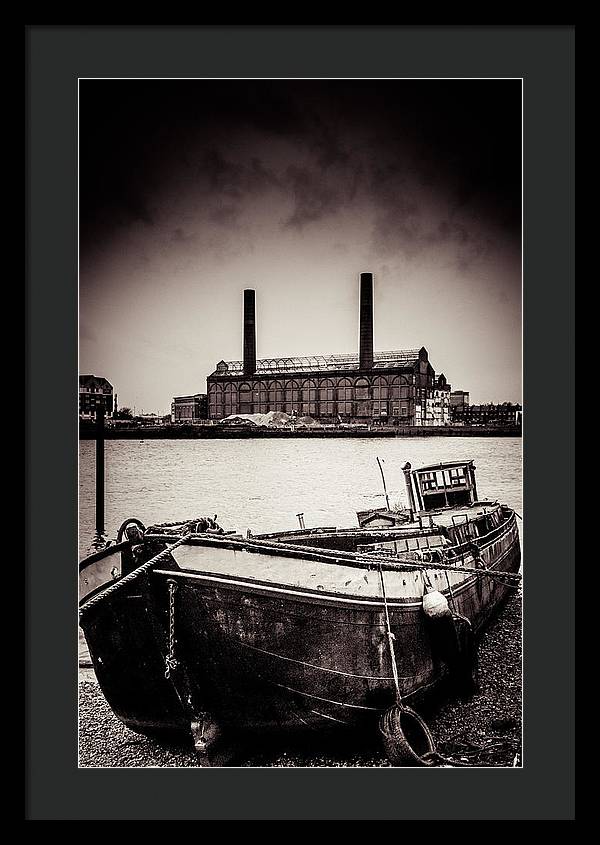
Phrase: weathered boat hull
(263, 656)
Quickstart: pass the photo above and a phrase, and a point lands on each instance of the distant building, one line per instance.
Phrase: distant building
(504, 414)
(459, 398)
(364, 387)
(189, 408)
(147, 419)
(438, 403)
(93, 391)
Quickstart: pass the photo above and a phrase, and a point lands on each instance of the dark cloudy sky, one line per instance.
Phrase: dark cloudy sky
(192, 190)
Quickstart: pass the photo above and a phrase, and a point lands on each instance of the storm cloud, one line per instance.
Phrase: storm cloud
(428, 157)
(224, 180)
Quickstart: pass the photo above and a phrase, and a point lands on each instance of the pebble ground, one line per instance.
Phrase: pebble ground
(484, 730)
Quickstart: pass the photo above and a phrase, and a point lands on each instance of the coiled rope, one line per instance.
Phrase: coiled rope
(127, 579)
(197, 525)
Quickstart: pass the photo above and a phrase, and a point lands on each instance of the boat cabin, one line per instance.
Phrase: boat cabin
(442, 485)
(382, 518)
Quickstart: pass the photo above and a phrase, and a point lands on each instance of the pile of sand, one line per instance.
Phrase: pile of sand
(241, 419)
(272, 419)
(276, 419)
(307, 421)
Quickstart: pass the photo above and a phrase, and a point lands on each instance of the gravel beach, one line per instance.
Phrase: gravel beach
(484, 730)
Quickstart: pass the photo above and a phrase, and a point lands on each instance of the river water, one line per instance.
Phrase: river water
(263, 484)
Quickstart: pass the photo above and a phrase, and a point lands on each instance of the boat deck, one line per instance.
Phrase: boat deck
(246, 566)
(296, 573)
(448, 517)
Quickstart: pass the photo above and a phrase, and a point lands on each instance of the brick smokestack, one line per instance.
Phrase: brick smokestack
(249, 332)
(365, 356)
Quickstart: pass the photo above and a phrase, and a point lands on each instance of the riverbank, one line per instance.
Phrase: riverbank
(484, 730)
(218, 432)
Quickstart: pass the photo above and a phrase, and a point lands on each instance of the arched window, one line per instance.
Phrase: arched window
(363, 406)
(361, 389)
(406, 387)
(230, 399)
(212, 401)
(394, 398)
(397, 386)
(326, 398)
(215, 401)
(380, 387)
(292, 397)
(245, 398)
(402, 398)
(271, 388)
(345, 396)
(380, 397)
(271, 393)
(260, 397)
(309, 397)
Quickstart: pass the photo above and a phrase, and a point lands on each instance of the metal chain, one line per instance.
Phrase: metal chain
(171, 660)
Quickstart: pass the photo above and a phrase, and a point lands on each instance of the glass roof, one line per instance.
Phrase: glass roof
(382, 360)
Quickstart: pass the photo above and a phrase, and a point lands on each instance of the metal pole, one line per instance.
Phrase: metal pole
(100, 468)
(387, 501)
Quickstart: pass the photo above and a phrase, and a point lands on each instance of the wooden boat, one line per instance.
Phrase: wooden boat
(195, 631)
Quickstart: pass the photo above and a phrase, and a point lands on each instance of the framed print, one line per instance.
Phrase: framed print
(292, 284)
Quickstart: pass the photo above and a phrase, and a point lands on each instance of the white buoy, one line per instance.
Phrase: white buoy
(435, 605)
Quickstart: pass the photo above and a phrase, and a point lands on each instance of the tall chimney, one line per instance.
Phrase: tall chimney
(365, 357)
(249, 332)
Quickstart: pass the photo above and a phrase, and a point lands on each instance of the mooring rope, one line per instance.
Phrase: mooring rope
(441, 567)
(391, 638)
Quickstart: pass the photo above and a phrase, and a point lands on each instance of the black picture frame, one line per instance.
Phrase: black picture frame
(56, 57)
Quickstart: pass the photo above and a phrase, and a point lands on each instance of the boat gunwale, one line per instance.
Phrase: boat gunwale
(338, 556)
(100, 555)
(265, 588)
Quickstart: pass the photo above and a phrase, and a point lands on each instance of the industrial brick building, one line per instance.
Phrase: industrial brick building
(396, 387)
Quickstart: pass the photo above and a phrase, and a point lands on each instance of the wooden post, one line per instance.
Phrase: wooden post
(444, 483)
(411, 499)
(100, 468)
(474, 483)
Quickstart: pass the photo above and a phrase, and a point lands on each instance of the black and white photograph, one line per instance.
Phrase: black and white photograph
(301, 418)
